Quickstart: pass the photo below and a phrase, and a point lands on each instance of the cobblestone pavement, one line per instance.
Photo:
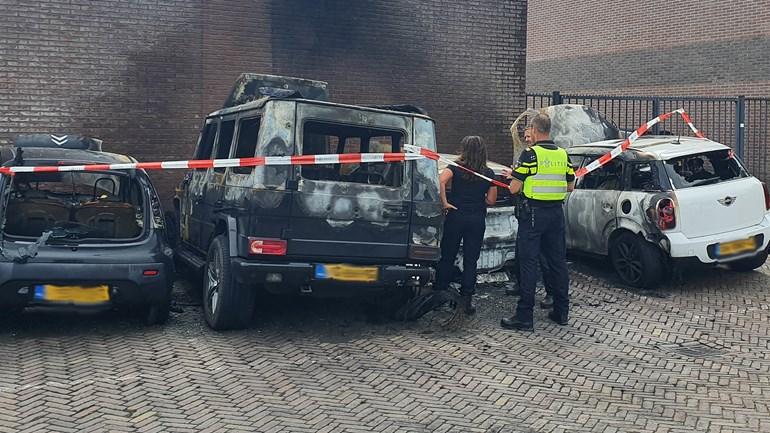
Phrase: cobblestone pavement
(689, 357)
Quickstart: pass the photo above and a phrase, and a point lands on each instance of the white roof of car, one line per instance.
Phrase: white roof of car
(664, 146)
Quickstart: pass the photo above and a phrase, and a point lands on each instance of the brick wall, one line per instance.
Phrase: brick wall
(688, 47)
(141, 74)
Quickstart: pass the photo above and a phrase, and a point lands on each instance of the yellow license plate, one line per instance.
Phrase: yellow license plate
(83, 295)
(737, 247)
(366, 274)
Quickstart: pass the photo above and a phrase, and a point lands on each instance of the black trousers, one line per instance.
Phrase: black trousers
(468, 228)
(541, 232)
(544, 272)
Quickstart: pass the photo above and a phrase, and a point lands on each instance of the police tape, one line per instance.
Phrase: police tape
(347, 158)
(430, 154)
(622, 147)
(412, 153)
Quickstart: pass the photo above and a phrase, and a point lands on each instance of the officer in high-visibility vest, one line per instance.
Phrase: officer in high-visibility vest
(543, 175)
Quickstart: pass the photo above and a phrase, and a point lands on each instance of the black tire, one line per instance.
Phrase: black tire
(749, 264)
(225, 304)
(637, 262)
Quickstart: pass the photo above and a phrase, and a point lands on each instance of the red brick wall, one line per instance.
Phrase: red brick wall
(142, 74)
(687, 47)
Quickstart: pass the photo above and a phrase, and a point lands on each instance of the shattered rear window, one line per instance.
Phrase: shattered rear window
(74, 206)
(329, 138)
(704, 169)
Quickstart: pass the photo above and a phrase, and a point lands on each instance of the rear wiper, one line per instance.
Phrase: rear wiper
(62, 233)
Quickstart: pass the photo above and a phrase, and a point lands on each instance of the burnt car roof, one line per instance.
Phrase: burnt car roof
(31, 154)
(259, 103)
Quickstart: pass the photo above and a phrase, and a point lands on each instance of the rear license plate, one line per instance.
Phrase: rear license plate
(366, 274)
(81, 295)
(736, 247)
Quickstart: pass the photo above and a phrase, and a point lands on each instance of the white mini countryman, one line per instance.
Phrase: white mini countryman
(664, 201)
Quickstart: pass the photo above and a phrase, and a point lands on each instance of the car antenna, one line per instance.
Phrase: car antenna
(678, 137)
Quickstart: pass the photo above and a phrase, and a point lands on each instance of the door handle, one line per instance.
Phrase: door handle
(607, 207)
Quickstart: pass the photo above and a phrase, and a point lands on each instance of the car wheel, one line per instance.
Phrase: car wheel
(749, 264)
(225, 304)
(637, 262)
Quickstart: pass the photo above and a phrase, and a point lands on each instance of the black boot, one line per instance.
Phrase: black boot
(467, 305)
(517, 324)
(559, 318)
(547, 302)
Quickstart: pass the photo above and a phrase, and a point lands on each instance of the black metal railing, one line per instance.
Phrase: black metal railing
(741, 123)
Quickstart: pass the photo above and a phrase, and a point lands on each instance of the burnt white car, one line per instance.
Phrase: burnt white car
(668, 201)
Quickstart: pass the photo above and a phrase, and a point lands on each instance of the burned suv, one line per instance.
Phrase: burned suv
(364, 228)
(83, 240)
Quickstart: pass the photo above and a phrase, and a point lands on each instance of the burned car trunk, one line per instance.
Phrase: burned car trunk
(361, 228)
(82, 240)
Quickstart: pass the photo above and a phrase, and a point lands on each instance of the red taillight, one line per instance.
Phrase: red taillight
(150, 272)
(267, 247)
(767, 196)
(666, 214)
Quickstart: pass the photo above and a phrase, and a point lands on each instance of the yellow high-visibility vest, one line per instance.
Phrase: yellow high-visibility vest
(549, 183)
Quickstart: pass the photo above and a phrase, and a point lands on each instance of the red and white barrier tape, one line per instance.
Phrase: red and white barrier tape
(412, 153)
(437, 157)
(609, 156)
(346, 158)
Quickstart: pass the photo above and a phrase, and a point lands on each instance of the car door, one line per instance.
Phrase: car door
(592, 206)
(192, 212)
(354, 211)
(214, 187)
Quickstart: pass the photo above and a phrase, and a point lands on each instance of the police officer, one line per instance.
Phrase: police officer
(548, 301)
(543, 175)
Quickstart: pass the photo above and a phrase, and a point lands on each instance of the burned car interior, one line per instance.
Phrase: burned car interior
(74, 205)
(329, 138)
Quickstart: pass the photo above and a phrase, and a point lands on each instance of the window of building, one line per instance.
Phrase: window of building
(328, 138)
(246, 144)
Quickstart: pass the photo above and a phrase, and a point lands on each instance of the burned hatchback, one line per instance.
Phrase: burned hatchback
(82, 240)
(363, 228)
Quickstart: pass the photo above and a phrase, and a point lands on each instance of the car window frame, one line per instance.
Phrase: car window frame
(231, 176)
(588, 159)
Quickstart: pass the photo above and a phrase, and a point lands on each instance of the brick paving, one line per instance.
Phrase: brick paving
(692, 356)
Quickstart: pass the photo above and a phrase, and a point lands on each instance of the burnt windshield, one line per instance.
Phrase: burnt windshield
(704, 169)
(74, 205)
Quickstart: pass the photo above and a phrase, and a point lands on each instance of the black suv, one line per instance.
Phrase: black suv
(323, 230)
(83, 240)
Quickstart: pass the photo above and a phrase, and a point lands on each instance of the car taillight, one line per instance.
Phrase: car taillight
(267, 247)
(422, 252)
(666, 214)
(767, 196)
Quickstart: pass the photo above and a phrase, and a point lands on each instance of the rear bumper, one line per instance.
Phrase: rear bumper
(703, 247)
(301, 278)
(127, 283)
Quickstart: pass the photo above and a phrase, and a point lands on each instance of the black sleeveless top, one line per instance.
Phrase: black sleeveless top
(468, 192)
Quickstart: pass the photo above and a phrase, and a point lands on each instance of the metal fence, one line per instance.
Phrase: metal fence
(741, 123)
